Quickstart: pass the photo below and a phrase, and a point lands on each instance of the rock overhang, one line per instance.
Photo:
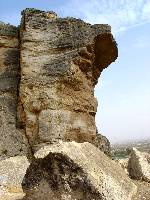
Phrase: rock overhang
(58, 64)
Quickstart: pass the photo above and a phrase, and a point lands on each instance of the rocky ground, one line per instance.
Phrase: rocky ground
(143, 191)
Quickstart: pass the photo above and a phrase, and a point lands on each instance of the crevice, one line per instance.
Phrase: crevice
(7, 47)
(20, 123)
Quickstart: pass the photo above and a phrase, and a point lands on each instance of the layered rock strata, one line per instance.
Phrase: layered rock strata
(61, 61)
(48, 69)
(12, 141)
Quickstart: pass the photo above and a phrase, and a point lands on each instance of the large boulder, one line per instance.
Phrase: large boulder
(73, 171)
(12, 172)
(139, 165)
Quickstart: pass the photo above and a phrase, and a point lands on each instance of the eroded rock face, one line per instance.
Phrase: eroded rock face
(12, 141)
(48, 70)
(61, 61)
(139, 165)
(103, 144)
(71, 170)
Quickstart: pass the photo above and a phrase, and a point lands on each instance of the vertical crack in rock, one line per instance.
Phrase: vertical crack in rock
(21, 115)
(61, 61)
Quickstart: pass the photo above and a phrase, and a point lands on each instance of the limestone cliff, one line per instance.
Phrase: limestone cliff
(47, 79)
(61, 60)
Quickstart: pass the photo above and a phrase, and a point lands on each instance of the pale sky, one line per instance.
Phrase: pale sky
(123, 90)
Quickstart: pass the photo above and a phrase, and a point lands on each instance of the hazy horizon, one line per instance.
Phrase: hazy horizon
(123, 90)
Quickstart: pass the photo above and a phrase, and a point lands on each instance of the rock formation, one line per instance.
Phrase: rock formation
(61, 60)
(47, 77)
(70, 171)
(12, 140)
(102, 143)
(49, 67)
(139, 165)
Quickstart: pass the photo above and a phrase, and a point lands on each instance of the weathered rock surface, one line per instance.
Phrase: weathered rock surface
(71, 170)
(48, 69)
(12, 141)
(61, 61)
(123, 163)
(139, 165)
(143, 192)
(103, 144)
(12, 172)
